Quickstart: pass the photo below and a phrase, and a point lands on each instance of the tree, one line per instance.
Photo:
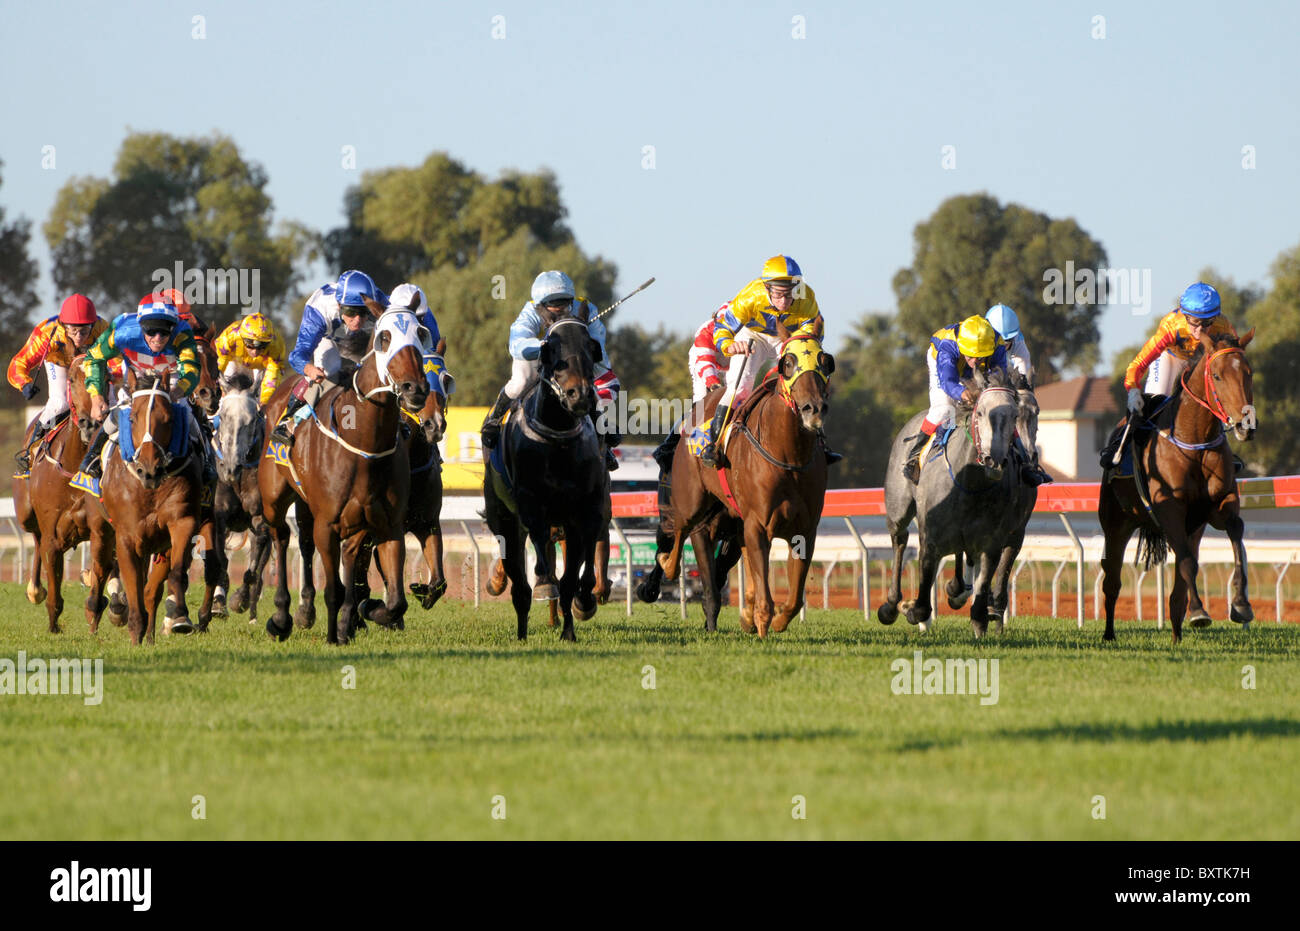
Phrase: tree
(973, 253)
(474, 246)
(18, 299)
(1275, 356)
(196, 202)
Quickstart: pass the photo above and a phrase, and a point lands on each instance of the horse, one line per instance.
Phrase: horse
(350, 471)
(717, 547)
(151, 495)
(773, 478)
(60, 517)
(1183, 478)
(548, 471)
(970, 501)
(237, 501)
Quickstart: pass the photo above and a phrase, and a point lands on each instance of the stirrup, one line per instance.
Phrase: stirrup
(912, 470)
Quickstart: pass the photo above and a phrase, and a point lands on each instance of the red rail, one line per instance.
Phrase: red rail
(1266, 492)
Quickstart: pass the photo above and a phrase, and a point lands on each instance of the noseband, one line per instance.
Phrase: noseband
(975, 421)
(1212, 395)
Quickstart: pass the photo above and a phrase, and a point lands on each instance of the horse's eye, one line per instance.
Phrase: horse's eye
(1217, 378)
(561, 365)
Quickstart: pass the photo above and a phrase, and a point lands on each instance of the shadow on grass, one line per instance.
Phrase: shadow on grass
(1119, 732)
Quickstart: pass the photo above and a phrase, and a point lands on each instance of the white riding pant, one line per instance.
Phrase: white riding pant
(524, 373)
(1163, 374)
(943, 409)
(741, 374)
(56, 379)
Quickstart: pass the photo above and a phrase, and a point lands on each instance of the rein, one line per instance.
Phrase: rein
(973, 431)
(1210, 393)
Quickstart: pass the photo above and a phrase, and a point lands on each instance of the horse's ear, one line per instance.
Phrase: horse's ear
(593, 346)
(789, 365)
(586, 311)
(376, 309)
(383, 339)
(782, 331)
(545, 355)
(441, 348)
(826, 362)
(414, 304)
(1245, 340)
(1207, 341)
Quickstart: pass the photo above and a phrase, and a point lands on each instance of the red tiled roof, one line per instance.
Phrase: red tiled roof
(1082, 395)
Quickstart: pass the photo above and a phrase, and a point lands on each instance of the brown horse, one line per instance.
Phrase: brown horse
(351, 473)
(152, 500)
(60, 517)
(1184, 478)
(774, 479)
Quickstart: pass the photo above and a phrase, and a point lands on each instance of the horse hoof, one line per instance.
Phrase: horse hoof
(1200, 619)
(496, 583)
(305, 617)
(887, 613)
(238, 602)
(36, 594)
(584, 609)
(546, 592)
(219, 608)
(647, 593)
(602, 596)
(177, 625)
(923, 626)
(1241, 614)
(959, 602)
(279, 633)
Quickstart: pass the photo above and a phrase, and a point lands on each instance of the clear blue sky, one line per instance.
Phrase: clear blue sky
(827, 148)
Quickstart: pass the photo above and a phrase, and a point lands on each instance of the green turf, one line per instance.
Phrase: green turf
(453, 711)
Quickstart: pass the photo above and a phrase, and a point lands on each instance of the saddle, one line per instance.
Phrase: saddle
(42, 447)
(698, 437)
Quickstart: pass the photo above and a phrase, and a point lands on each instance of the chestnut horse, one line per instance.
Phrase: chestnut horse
(1183, 478)
(351, 473)
(774, 479)
(60, 517)
(152, 500)
(548, 471)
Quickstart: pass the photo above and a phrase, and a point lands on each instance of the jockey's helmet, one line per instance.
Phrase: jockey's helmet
(77, 310)
(1004, 320)
(158, 310)
(552, 286)
(975, 338)
(781, 268)
(354, 287)
(256, 329)
(177, 300)
(1200, 301)
(401, 298)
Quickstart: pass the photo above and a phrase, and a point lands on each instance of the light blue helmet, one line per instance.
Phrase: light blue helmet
(1200, 301)
(1004, 320)
(550, 286)
(353, 287)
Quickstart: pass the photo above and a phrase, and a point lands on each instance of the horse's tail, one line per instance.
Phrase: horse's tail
(1152, 546)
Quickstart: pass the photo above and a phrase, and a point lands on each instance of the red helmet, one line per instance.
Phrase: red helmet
(78, 310)
(177, 300)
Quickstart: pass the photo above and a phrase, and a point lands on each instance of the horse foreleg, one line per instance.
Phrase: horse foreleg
(887, 613)
(521, 593)
(178, 579)
(1171, 518)
(336, 591)
(101, 565)
(36, 592)
(132, 572)
(920, 611)
(155, 580)
(306, 615)
(979, 608)
(52, 557)
(213, 570)
(957, 590)
(280, 624)
(796, 574)
(392, 564)
(758, 546)
(1241, 612)
(574, 552)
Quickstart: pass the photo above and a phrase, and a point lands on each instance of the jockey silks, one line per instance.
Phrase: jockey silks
(125, 340)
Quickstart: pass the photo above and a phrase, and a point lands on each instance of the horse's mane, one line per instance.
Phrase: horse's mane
(1227, 339)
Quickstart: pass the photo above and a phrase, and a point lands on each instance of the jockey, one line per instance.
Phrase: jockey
(252, 344)
(705, 366)
(1007, 325)
(553, 297)
(333, 312)
(955, 351)
(152, 340)
(1166, 354)
(53, 344)
(748, 328)
(435, 369)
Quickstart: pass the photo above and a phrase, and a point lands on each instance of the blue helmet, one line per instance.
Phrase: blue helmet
(353, 287)
(1004, 320)
(157, 309)
(551, 286)
(1200, 301)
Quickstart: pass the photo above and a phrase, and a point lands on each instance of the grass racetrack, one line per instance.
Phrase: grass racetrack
(454, 712)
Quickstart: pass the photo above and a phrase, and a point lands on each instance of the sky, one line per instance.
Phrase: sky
(813, 129)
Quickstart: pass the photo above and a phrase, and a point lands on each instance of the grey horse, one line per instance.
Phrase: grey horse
(970, 501)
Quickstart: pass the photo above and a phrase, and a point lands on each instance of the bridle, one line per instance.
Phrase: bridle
(1212, 395)
(804, 365)
(550, 379)
(975, 421)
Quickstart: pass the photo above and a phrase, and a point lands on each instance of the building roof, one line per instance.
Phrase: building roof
(1083, 395)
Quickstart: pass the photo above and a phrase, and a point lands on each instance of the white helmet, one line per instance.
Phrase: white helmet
(550, 286)
(400, 298)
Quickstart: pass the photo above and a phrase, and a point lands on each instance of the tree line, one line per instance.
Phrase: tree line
(474, 245)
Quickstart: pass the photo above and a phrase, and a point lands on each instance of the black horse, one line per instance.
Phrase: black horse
(548, 471)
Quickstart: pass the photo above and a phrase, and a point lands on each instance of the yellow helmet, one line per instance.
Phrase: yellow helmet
(781, 268)
(256, 329)
(975, 338)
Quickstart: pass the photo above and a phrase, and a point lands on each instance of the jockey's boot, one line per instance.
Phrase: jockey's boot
(709, 455)
(832, 456)
(1112, 446)
(912, 468)
(612, 439)
(284, 429)
(24, 457)
(91, 464)
(1031, 473)
(491, 431)
(663, 453)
